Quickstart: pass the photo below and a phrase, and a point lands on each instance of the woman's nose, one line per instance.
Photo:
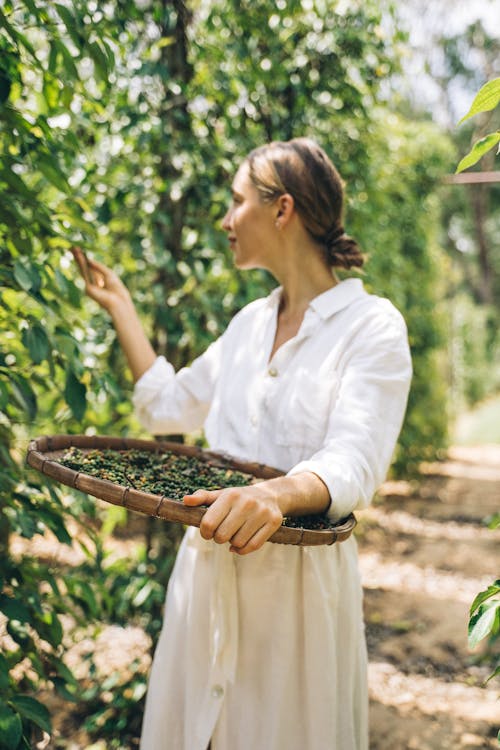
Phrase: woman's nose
(226, 221)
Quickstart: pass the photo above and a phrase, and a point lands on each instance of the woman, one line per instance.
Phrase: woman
(263, 644)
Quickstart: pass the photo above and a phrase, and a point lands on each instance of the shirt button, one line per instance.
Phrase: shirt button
(217, 691)
(254, 420)
(272, 372)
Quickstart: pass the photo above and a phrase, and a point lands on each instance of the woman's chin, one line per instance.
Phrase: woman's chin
(246, 264)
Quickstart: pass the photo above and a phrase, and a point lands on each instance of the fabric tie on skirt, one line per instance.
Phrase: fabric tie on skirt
(224, 613)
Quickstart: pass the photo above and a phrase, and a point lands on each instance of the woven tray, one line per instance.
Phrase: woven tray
(44, 455)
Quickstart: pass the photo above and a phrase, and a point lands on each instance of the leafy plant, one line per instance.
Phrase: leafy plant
(484, 614)
(485, 617)
(485, 100)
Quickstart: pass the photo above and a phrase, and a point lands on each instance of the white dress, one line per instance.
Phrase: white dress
(267, 651)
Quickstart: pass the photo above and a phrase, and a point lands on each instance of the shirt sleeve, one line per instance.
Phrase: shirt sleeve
(169, 402)
(367, 415)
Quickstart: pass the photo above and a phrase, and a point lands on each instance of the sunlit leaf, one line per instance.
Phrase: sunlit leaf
(481, 624)
(50, 92)
(486, 99)
(492, 590)
(478, 150)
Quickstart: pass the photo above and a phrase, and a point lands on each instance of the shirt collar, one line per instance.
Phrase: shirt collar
(326, 304)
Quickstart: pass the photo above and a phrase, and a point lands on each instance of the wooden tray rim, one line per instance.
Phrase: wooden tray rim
(160, 506)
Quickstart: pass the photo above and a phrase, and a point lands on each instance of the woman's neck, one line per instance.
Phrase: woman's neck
(302, 284)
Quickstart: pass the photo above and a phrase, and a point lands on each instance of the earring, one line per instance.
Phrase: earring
(277, 224)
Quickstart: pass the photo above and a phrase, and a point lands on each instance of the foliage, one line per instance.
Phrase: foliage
(459, 63)
(484, 614)
(43, 374)
(121, 125)
(485, 100)
(397, 221)
(485, 617)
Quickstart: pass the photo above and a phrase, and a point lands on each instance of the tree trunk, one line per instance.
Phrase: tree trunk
(480, 204)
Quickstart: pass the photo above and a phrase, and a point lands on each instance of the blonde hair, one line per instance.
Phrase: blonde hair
(302, 169)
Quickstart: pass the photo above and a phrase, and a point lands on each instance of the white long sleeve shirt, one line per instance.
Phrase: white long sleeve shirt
(275, 652)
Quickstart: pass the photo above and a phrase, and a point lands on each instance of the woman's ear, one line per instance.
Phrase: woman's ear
(285, 206)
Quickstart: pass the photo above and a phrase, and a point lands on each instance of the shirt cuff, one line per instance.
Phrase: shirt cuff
(343, 499)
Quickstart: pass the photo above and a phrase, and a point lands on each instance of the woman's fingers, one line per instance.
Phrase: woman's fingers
(83, 263)
(256, 541)
(235, 515)
(201, 497)
(101, 283)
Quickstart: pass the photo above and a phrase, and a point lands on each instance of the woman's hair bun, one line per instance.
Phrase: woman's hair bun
(342, 251)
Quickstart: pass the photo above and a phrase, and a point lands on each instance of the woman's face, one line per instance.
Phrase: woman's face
(250, 223)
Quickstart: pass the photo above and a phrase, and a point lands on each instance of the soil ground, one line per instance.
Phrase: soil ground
(425, 553)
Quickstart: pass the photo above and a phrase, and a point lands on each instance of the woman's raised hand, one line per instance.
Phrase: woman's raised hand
(104, 286)
(101, 283)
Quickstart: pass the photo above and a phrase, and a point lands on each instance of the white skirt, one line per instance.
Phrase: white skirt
(260, 652)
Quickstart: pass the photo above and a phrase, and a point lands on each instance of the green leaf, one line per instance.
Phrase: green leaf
(22, 276)
(486, 99)
(50, 629)
(61, 687)
(481, 624)
(18, 37)
(24, 395)
(479, 149)
(100, 60)
(65, 672)
(4, 673)
(69, 62)
(27, 276)
(75, 394)
(11, 728)
(50, 92)
(36, 341)
(4, 395)
(16, 183)
(71, 24)
(33, 710)
(14, 609)
(53, 54)
(492, 590)
(53, 174)
(84, 594)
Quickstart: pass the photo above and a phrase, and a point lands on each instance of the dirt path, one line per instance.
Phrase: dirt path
(425, 553)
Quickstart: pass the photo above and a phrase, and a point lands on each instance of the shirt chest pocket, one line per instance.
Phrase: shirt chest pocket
(304, 410)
